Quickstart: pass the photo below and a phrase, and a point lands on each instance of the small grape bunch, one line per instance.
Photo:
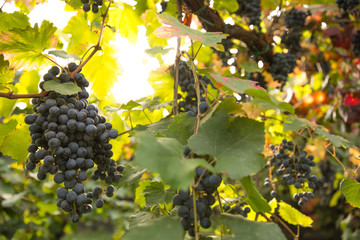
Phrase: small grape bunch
(293, 167)
(92, 4)
(241, 209)
(207, 185)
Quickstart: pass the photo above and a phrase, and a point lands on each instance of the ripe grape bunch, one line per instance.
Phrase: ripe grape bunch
(187, 83)
(282, 64)
(294, 22)
(251, 9)
(356, 43)
(68, 139)
(237, 209)
(292, 166)
(207, 185)
(347, 4)
(92, 4)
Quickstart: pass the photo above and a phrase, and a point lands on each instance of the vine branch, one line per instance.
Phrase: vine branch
(11, 95)
(212, 22)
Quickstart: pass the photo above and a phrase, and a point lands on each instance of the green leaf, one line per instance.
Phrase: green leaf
(181, 128)
(155, 193)
(6, 128)
(141, 218)
(103, 71)
(6, 106)
(250, 67)
(173, 28)
(235, 84)
(29, 82)
(228, 5)
(293, 216)
(166, 157)
(157, 50)
(241, 228)
(24, 47)
(62, 88)
(255, 200)
(335, 140)
(351, 189)
(16, 142)
(160, 127)
(125, 21)
(295, 124)
(130, 175)
(6, 73)
(162, 228)
(9, 21)
(63, 54)
(237, 148)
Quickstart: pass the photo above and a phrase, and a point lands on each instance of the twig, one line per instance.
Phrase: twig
(97, 47)
(52, 60)
(11, 95)
(284, 225)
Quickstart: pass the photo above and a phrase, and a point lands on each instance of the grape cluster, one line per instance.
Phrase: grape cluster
(282, 64)
(251, 9)
(208, 183)
(69, 138)
(294, 22)
(237, 209)
(347, 4)
(356, 43)
(92, 4)
(187, 84)
(293, 167)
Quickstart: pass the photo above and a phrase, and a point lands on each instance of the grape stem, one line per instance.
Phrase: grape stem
(177, 60)
(11, 95)
(97, 47)
(282, 223)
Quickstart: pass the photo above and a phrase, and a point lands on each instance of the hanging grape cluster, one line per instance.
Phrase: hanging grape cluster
(356, 43)
(251, 9)
(68, 140)
(293, 167)
(282, 64)
(187, 84)
(241, 209)
(347, 5)
(294, 22)
(92, 5)
(204, 199)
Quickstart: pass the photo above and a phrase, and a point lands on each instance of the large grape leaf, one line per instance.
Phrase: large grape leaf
(16, 142)
(182, 127)
(81, 35)
(6, 73)
(162, 228)
(9, 21)
(237, 148)
(241, 228)
(173, 28)
(351, 190)
(293, 216)
(295, 124)
(103, 71)
(335, 140)
(62, 88)
(254, 198)
(166, 157)
(24, 47)
(125, 20)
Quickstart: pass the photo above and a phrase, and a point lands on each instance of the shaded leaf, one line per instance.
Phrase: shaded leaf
(157, 50)
(62, 88)
(241, 228)
(160, 127)
(295, 124)
(231, 146)
(173, 28)
(153, 193)
(235, 84)
(335, 140)
(181, 128)
(162, 228)
(293, 216)
(165, 156)
(25, 46)
(250, 67)
(351, 189)
(63, 54)
(130, 175)
(255, 200)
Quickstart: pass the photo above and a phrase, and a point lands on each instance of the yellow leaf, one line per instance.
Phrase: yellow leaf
(28, 82)
(102, 71)
(294, 216)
